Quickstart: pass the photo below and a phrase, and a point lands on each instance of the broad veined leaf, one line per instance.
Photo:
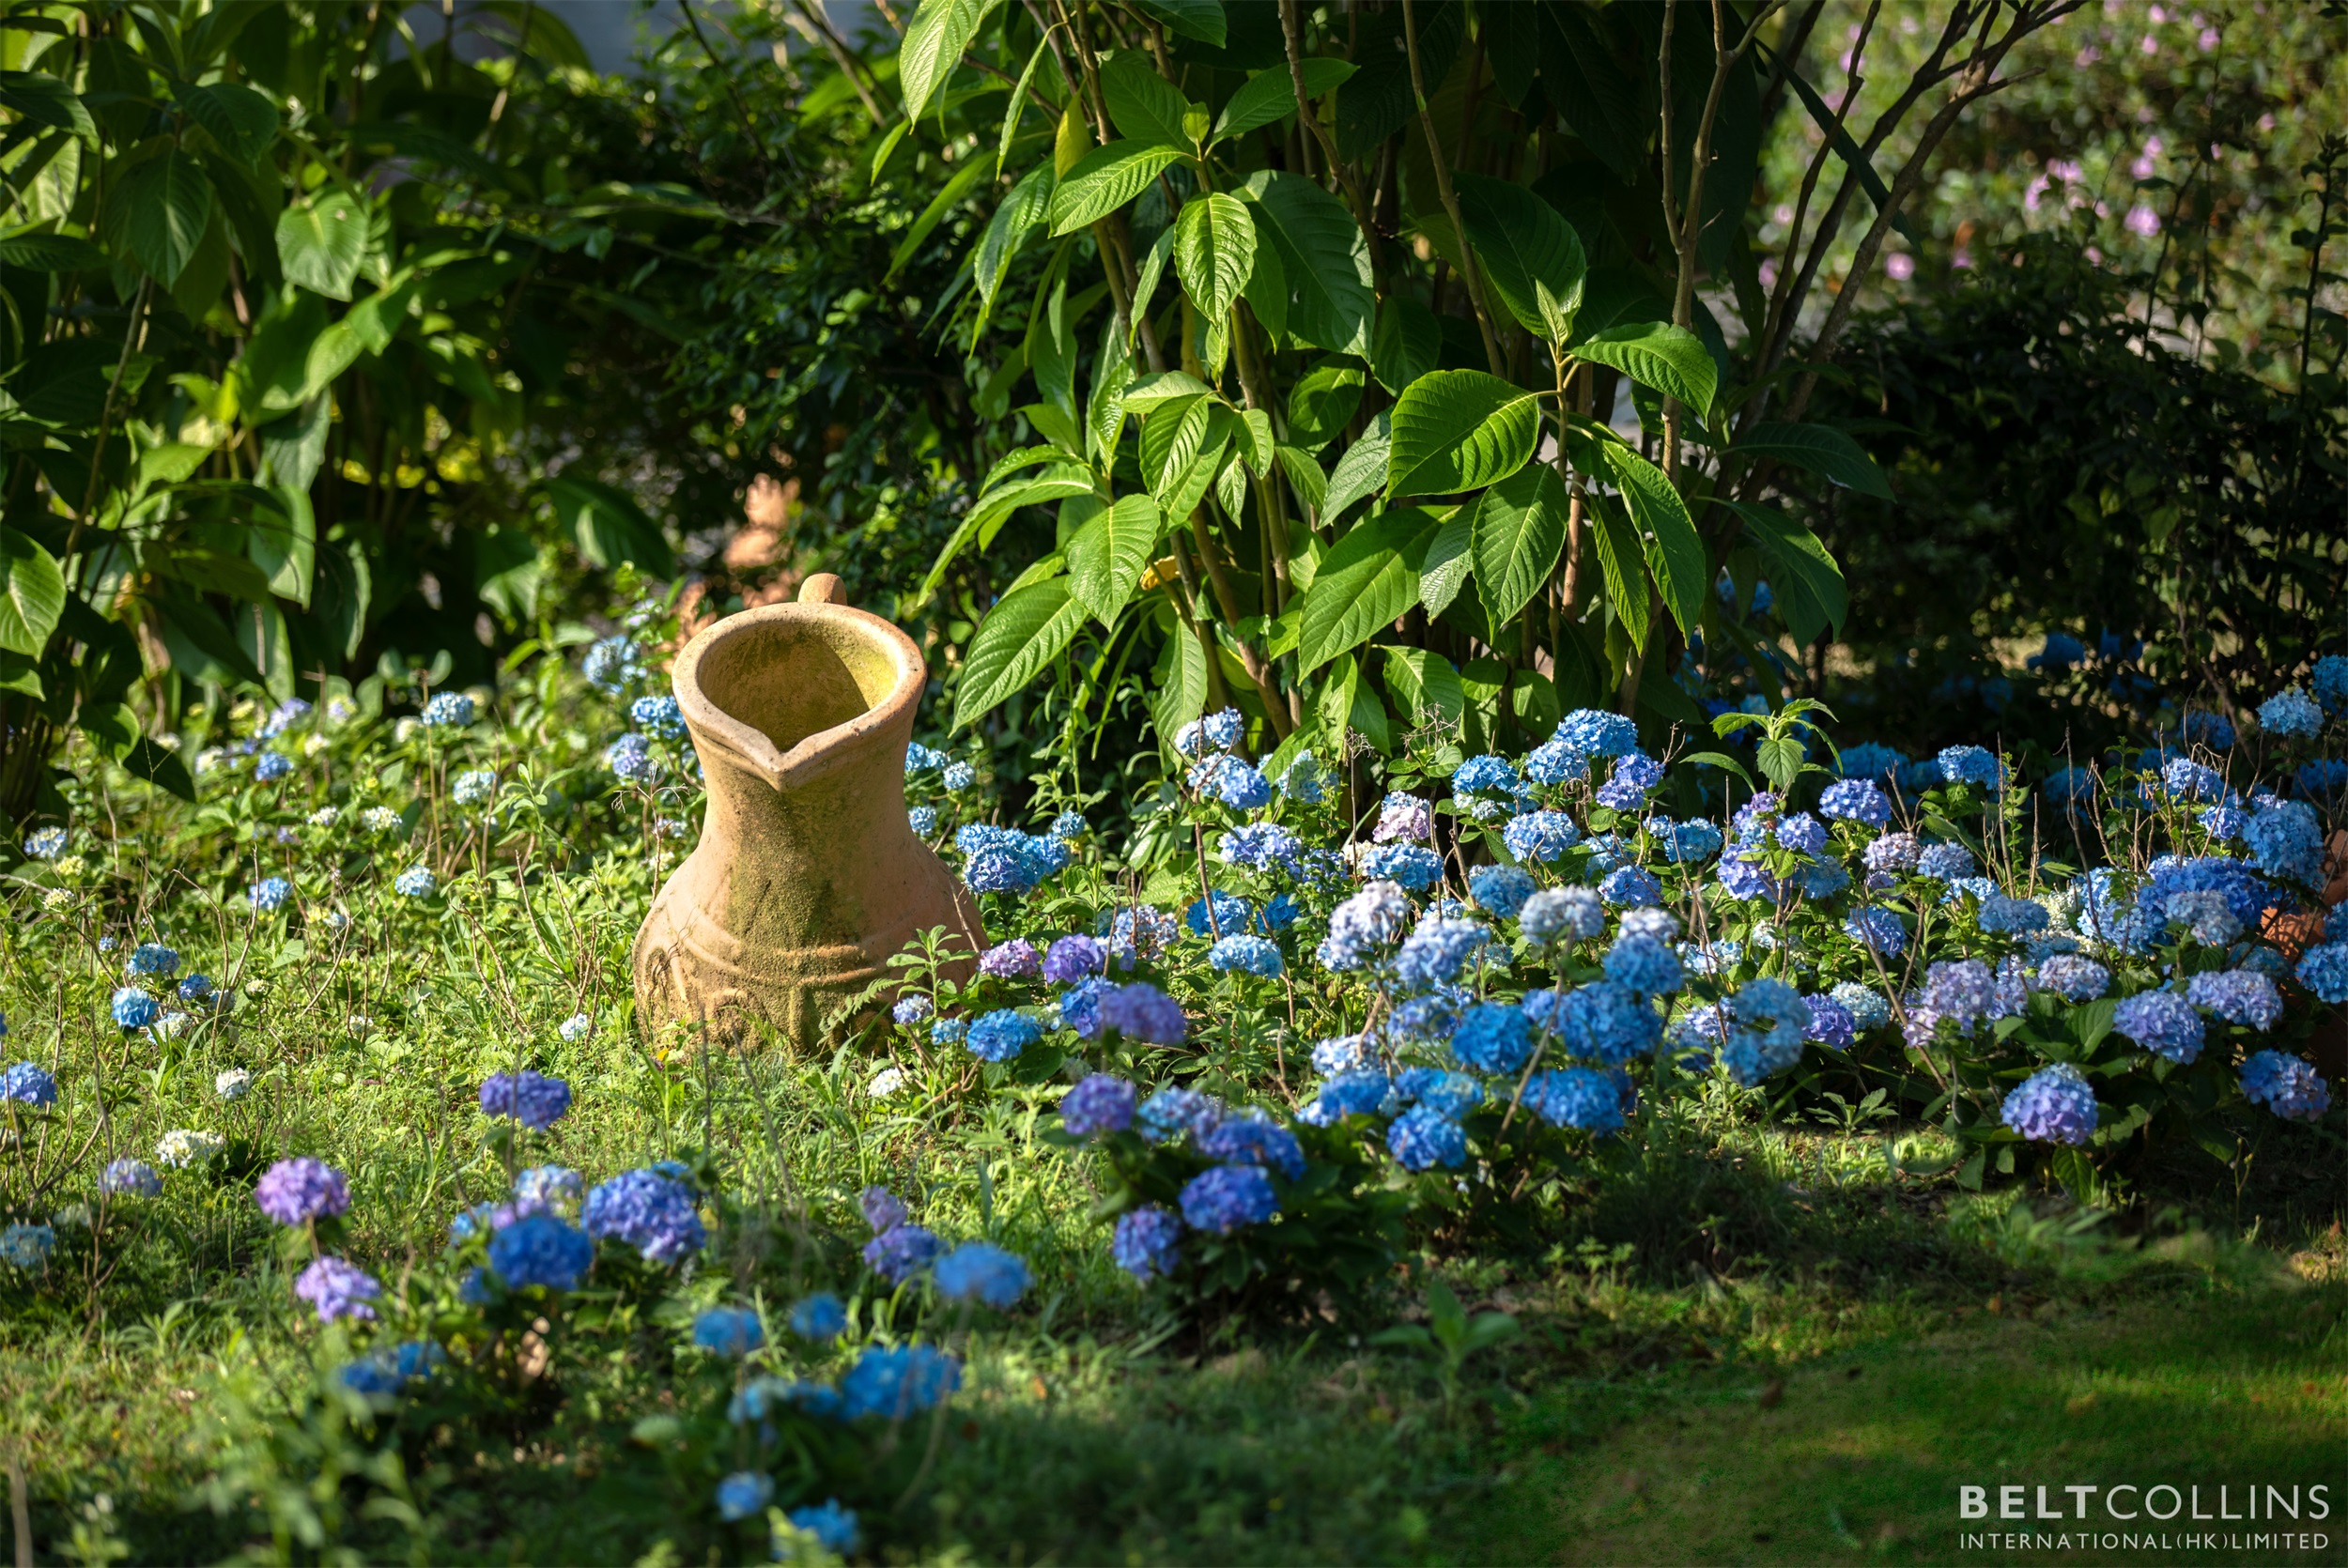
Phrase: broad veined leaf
(1267, 292)
(50, 253)
(284, 543)
(1424, 684)
(933, 47)
(1109, 555)
(1408, 343)
(45, 100)
(1214, 249)
(1322, 404)
(1151, 271)
(1105, 411)
(1148, 392)
(1622, 562)
(1305, 476)
(1674, 552)
(1672, 360)
(1362, 469)
(157, 212)
(609, 526)
(1380, 99)
(1531, 256)
(1185, 487)
(1172, 434)
(1107, 178)
(1021, 214)
(1520, 531)
(33, 596)
(1271, 95)
(1332, 300)
(1460, 430)
(1202, 20)
(321, 239)
(1256, 441)
(1449, 558)
(1364, 584)
(1178, 690)
(243, 121)
(1143, 106)
(1025, 632)
(1811, 593)
(1822, 449)
(1230, 480)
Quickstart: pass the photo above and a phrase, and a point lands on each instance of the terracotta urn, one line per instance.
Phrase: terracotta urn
(807, 877)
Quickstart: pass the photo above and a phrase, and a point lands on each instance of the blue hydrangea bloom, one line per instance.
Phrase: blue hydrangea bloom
(834, 1527)
(1229, 1197)
(1000, 1036)
(743, 1494)
(1235, 783)
(2012, 917)
(1771, 1019)
(1609, 1022)
(2287, 842)
(1563, 913)
(1686, 843)
(1422, 1138)
(530, 1098)
(448, 710)
(270, 893)
(923, 820)
(819, 1317)
(1946, 862)
(1103, 1102)
(1358, 1093)
(2214, 730)
(2162, 1022)
(153, 957)
(1170, 1115)
(2054, 1105)
(542, 1250)
(2324, 970)
(2239, 996)
(1252, 1138)
(897, 1383)
(659, 715)
(133, 1008)
(733, 1331)
(2073, 977)
(1231, 913)
(1856, 800)
(2328, 679)
(981, 1271)
(1141, 1011)
(1594, 733)
(1575, 1096)
(1492, 1037)
(1554, 762)
(1644, 964)
(653, 1213)
(1868, 1009)
(1501, 889)
(2061, 653)
(1410, 866)
(2288, 1085)
(1436, 950)
(1625, 788)
(957, 776)
(1147, 1241)
(1245, 955)
(45, 843)
(1870, 761)
(1540, 837)
(2291, 712)
(912, 1008)
(28, 1084)
(417, 882)
(1633, 885)
(130, 1178)
(1969, 765)
(1264, 847)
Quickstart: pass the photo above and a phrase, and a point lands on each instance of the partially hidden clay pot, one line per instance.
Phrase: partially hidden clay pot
(808, 876)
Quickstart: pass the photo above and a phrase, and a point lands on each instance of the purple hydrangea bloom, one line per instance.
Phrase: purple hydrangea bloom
(1229, 1197)
(1141, 1011)
(902, 1252)
(295, 1192)
(1403, 817)
(28, 1084)
(2239, 996)
(1102, 1103)
(338, 1290)
(653, 1213)
(2073, 977)
(1625, 789)
(2162, 1022)
(1071, 958)
(537, 1102)
(1831, 1023)
(912, 1008)
(1254, 1139)
(883, 1210)
(2053, 1105)
(2288, 1085)
(1147, 1242)
(1014, 960)
(130, 1178)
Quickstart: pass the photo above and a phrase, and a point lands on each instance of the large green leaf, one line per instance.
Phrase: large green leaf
(1143, 106)
(1810, 594)
(1172, 435)
(933, 47)
(1361, 470)
(1202, 20)
(1449, 558)
(35, 595)
(1021, 634)
(1021, 214)
(1322, 404)
(50, 253)
(1271, 95)
(1214, 249)
(1460, 430)
(1367, 582)
(1332, 297)
(1822, 449)
(1379, 99)
(1520, 531)
(1178, 684)
(321, 240)
(1583, 75)
(1531, 258)
(1408, 343)
(45, 100)
(243, 121)
(609, 526)
(1425, 685)
(284, 542)
(1674, 552)
(1109, 555)
(1622, 562)
(1107, 178)
(1672, 360)
(157, 212)
(160, 766)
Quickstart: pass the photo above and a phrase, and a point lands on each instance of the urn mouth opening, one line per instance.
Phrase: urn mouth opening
(790, 689)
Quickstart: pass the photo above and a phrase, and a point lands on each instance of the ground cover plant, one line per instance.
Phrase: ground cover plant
(1525, 1013)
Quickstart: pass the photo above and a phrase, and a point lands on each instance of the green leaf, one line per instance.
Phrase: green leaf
(157, 212)
(1460, 430)
(1810, 594)
(243, 121)
(1021, 214)
(1109, 554)
(1267, 292)
(161, 767)
(1332, 298)
(1531, 256)
(1172, 436)
(1021, 634)
(1214, 249)
(933, 45)
(1179, 689)
(1425, 685)
(45, 100)
(1202, 20)
(1304, 475)
(609, 526)
(1364, 585)
(1407, 344)
(1143, 106)
(1151, 271)
(1322, 404)
(1674, 552)
(1721, 760)
(1582, 74)
(1672, 360)
(1271, 95)
(1822, 449)
(284, 543)
(948, 198)
(1379, 100)
(1165, 386)
(50, 253)
(1519, 533)
(1449, 558)
(321, 240)
(1360, 471)
(1107, 178)
(35, 597)
(1622, 561)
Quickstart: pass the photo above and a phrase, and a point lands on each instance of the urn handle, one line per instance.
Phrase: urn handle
(823, 588)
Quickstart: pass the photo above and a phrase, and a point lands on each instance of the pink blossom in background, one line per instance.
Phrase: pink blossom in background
(2034, 190)
(1962, 261)
(2266, 122)
(2151, 44)
(2086, 56)
(1900, 266)
(2157, 15)
(2208, 41)
(2144, 221)
(2148, 160)
(1768, 272)
(2096, 255)
(1781, 215)
(2064, 170)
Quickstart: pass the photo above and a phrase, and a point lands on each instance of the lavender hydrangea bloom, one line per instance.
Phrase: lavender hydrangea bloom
(2074, 978)
(1895, 852)
(130, 1178)
(2324, 970)
(652, 1212)
(902, 1252)
(2162, 1022)
(1575, 1096)
(1147, 1242)
(2239, 996)
(1014, 960)
(1071, 958)
(1227, 1198)
(984, 1272)
(911, 1008)
(1570, 914)
(1103, 1102)
(1625, 788)
(2287, 1086)
(2054, 1105)
(28, 1084)
(882, 1209)
(1253, 1139)
(338, 1290)
(295, 1192)
(1540, 837)
(1831, 1023)
(534, 1100)
(1141, 1011)
(1501, 889)
(1422, 1138)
